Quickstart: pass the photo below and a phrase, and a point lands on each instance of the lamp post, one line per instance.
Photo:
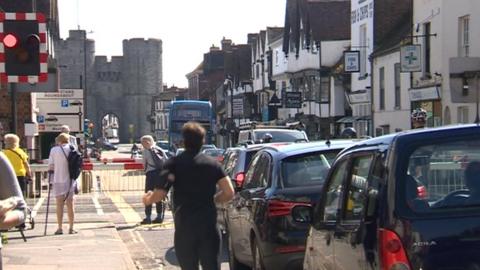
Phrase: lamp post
(230, 84)
(84, 80)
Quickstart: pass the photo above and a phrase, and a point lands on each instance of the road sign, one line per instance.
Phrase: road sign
(64, 103)
(352, 61)
(293, 99)
(40, 119)
(411, 58)
(238, 106)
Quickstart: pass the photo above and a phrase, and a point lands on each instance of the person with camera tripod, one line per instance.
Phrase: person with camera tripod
(194, 177)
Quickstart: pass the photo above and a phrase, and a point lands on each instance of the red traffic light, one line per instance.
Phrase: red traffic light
(10, 41)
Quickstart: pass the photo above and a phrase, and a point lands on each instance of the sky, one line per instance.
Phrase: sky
(187, 28)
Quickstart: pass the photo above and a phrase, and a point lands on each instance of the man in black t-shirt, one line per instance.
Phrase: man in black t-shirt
(194, 177)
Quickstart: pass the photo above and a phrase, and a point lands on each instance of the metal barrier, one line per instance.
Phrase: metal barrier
(96, 177)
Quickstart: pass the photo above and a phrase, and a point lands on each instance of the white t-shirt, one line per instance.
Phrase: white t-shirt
(61, 177)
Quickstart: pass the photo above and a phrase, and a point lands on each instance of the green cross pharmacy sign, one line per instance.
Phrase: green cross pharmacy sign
(410, 58)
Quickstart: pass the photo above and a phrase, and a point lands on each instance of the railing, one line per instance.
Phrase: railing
(101, 177)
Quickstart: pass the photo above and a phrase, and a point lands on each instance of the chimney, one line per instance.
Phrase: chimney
(226, 44)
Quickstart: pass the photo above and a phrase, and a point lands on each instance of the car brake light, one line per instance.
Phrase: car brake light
(289, 249)
(421, 192)
(281, 208)
(239, 178)
(392, 253)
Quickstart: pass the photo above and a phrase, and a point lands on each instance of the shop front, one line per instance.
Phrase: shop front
(428, 99)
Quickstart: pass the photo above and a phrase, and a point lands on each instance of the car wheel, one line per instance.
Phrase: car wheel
(232, 261)
(257, 257)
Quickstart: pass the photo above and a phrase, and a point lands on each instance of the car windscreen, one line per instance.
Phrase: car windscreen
(442, 177)
(214, 152)
(306, 169)
(281, 136)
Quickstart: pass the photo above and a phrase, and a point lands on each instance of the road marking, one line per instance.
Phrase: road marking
(97, 205)
(128, 213)
(37, 206)
(147, 248)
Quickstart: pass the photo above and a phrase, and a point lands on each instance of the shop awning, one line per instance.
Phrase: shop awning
(351, 119)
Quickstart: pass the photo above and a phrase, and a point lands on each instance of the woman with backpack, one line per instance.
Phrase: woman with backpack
(153, 163)
(63, 187)
(19, 160)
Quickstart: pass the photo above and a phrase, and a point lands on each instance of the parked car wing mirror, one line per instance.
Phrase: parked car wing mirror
(302, 213)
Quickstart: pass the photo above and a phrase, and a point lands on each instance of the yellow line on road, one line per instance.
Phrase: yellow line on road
(130, 215)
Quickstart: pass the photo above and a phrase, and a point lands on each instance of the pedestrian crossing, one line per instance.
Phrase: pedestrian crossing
(120, 208)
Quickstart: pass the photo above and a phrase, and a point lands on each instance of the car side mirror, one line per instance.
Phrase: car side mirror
(302, 214)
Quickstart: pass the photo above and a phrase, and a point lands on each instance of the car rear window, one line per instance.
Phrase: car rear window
(305, 170)
(444, 176)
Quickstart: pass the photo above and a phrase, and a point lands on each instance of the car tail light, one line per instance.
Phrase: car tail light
(421, 192)
(392, 253)
(239, 178)
(278, 208)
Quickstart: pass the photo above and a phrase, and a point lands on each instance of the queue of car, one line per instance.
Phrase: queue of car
(399, 201)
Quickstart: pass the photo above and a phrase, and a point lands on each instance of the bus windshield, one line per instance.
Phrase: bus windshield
(189, 110)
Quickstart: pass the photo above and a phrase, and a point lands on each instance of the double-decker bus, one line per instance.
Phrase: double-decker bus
(182, 111)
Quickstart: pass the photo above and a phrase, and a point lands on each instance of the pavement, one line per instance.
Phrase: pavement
(97, 245)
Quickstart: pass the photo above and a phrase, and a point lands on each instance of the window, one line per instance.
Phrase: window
(357, 188)
(426, 48)
(325, 89)
(382, 88)
(257, 71)
(334, 193)
(261, 172)
(464, 36)
(305, 170)
(443, 176)
(397, 86)
(462, 115)
(363, 51)
(251, 170)
(276, 57)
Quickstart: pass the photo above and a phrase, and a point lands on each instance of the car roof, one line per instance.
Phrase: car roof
(300, 148)
(274, 129)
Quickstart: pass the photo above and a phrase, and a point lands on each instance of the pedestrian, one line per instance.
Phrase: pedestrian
(195, 177)
(71, 139)
(151, 172)
(19, 160)
(12, 203)
(63, 187)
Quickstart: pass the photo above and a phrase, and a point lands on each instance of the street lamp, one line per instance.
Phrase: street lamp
(85, 83)
(229, 82)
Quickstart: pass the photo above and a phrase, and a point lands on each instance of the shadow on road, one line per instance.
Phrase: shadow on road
(171, 257)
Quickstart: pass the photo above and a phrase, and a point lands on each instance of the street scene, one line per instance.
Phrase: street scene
(263, 135)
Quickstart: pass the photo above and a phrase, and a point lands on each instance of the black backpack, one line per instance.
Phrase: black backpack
(158, 157)
(75, 162)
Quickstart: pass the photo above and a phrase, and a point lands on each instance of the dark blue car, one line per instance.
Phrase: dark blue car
(261, 231)
(409, 200)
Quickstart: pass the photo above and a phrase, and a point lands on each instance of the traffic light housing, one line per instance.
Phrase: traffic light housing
(23, 54)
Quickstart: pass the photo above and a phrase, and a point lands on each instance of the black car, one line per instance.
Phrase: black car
(403, 201)
(261, 231)
(235, 163)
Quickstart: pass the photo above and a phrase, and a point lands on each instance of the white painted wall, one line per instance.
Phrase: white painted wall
(397, 118)
(444, 16)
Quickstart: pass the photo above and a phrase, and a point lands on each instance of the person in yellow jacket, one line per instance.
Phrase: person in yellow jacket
(18, 158)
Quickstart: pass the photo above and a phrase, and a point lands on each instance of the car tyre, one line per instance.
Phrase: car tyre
(257, 257)
(232, 261)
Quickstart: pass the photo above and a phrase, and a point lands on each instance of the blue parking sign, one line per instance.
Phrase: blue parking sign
(40, 119)
(64, 102)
